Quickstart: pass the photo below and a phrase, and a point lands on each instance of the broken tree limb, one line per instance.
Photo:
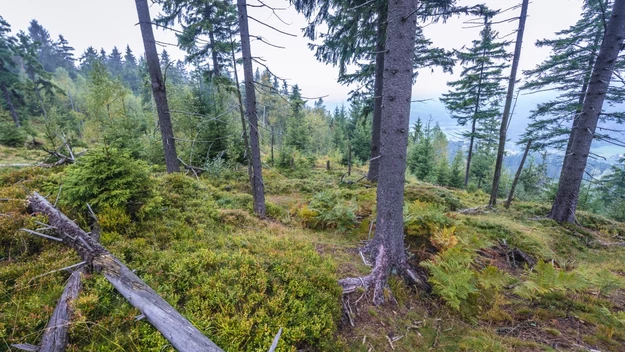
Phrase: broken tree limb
(55, 335)
(175, 328)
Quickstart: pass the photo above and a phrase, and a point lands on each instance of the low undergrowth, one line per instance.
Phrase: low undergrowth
(239, 279)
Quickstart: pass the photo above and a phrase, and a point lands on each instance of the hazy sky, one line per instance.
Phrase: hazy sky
(104, 24)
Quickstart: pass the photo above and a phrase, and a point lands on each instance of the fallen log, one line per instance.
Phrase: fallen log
(55, 336)
(175, 328)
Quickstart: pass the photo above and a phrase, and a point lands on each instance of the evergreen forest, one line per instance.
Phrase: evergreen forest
(185, 196)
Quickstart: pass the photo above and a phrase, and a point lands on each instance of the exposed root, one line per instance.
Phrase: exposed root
(377, 279)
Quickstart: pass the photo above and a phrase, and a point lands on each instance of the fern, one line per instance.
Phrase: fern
(546, 279)
(452, 277)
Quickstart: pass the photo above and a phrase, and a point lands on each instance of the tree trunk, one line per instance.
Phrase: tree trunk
(7, 97)
(470, 154)
(211, 38)
(388, 242)
(258, 187)
(565, 204)
(55, 335)
(242, 114)
(374, 160)
(349, 159)
(506, 111)
(272, 143)
(580, 101)
(158, 87)
(175, 328)
(518, 174)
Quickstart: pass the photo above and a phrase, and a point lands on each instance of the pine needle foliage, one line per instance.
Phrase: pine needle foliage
(106, 177)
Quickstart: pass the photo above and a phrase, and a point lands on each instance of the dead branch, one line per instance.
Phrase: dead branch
(174, 327)
(55, 335)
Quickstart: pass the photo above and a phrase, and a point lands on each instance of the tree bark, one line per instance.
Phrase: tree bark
(388, 242)
(55, 335)
(374, 161)
(174, 327)
(580, 101)
(565, 204)
(211, 38)
(242, 114)
(518, 174)
(508, 106)
(349, 159)
(470, 153)
(158, 87)
(258, 187)
(7, 97)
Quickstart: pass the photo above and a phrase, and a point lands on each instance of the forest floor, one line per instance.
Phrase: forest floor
(503, 280)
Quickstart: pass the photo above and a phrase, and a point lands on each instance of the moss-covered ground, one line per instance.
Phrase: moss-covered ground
(239, 279)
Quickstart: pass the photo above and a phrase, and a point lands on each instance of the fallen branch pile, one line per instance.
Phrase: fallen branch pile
(175, 328)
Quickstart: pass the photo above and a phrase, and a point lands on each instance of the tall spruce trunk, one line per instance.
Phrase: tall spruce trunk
(396, 96)
(517, 176)
(242, 114)
(374, 162)
(565, 203)
(211, 38)
(7, 97)
(508, 107)
(470, 153)
(158, 87)
(580, 100)
(258, 187)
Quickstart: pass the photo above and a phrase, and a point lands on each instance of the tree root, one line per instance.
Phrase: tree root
(378, 278)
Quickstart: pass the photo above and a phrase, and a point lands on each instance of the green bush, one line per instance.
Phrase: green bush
(11, 135)
(106, 178)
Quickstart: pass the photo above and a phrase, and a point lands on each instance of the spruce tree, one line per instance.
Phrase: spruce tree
(88, 58)
(9, 70)
(45, 47)
(582, 134)
(65, 55)
(130, 71)
(114, 63)
(567, 71)
(212, 19)
(477, 95)
(355, 31)
(456, 177)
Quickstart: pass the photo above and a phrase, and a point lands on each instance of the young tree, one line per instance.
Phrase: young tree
(565, 203)
(508, 105)
(477, 94)
(258, 187)
(158, 87)
(456, 179)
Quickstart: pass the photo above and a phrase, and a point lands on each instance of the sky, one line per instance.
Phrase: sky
(104, 24)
